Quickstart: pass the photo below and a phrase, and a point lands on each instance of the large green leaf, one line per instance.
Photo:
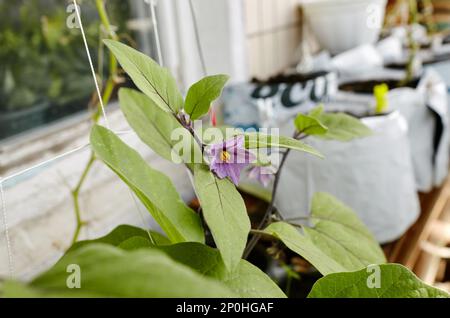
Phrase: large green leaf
(337, 229)
(124, 233)
(340, 126)
(395, 281)
(153, 188)
(247, 280)
(303, 246)
(16, 289)
(152, 79)
(224, 212)
(202, 94)
(153, 125)
(336, 241)
(260, 140)
(107, 271)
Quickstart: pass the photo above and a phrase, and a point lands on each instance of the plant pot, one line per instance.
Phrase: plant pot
(373, 175)
(14, 122)
(423, 102)
(340, 25)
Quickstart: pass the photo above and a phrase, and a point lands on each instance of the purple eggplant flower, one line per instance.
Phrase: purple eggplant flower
(263, 174)
(228, 158)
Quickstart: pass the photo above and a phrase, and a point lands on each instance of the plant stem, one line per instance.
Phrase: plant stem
(428, 19)
(288, 285)
(105, 19)
(106, 96)
(75, 197)
(266, 218)
(413, 46)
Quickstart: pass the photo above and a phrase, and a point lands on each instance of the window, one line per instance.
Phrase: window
(44, 71)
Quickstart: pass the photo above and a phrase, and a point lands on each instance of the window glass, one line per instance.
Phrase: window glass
(44, 71)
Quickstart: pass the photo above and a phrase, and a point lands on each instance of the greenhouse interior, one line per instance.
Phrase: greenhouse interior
(225, 149)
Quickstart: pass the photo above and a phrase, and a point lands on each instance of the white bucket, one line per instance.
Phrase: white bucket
(340, 25)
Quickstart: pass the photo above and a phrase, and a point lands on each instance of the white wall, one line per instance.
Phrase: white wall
(220, 26)
(241, 38)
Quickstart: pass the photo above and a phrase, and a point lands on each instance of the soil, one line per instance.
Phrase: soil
(366, 87)
(293, 78)
(436, 59)
(446, 40)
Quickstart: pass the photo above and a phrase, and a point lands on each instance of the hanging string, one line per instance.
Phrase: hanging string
(100, 99)
(152, 4)
(141, 216)
(197, 38)
(51, 160)
(43, 163)
(7, 237)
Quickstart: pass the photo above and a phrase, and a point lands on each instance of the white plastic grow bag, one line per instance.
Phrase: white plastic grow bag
(426, 111)
(374, 176)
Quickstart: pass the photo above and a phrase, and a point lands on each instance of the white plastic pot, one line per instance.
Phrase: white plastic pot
(340, 25)
(374, 176)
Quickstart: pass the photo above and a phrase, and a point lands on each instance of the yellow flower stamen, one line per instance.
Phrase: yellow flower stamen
(224, 156)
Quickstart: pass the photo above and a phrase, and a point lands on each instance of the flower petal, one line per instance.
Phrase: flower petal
(234, 172)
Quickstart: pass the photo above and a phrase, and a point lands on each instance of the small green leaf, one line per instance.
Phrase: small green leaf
(316, 111)
(153, 188)
(224, 212)
(260, 140)
(309, 125)
(337, 240)
(153, 125)
(396, 281)
(202, 94)
(153, 80)
(341, 127)
(123, 233)
(107, 271)
(247, 280)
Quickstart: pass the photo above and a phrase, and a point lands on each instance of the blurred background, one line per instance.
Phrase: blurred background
(283, 57)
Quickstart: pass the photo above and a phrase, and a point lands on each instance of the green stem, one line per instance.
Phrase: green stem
(106, 96)
(75, 197)
(104, 18)
(107, 93)
(428, 19)
(267, 216)
(413, 46)
(288, 286)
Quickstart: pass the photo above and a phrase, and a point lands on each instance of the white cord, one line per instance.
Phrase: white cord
(152, 4)
(142, 217)
(91, 64)
(16, 174)
(48, 161)
(7, 237)
(43, 163)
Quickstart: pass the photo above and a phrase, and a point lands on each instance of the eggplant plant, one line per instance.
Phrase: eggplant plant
(135, 262)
